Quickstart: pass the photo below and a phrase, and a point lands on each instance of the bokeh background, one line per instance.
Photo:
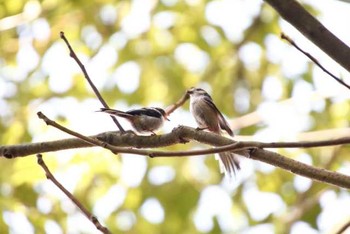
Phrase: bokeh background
(147, 53)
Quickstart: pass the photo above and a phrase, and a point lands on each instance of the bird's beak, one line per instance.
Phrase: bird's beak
(165, 117)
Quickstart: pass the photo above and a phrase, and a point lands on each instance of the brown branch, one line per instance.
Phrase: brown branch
(151, 153)
(311, 28)
(225, 143)
(180, 133)
(91, 217)
(126, 140)
(87, 77)
(255, 152)
(343, 228)
(96, 142)
(300, 144)
(172, 108)
(313, 59)
(296, 167)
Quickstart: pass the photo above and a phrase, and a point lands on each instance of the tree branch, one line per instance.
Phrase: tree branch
(313, 59)
(120, 143)
(91, 217)
(172, 108)
(131, 140)
(87, 77)
(343, 228)
(311, 28)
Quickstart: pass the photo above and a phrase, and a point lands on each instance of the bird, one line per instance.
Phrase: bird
(208, 117)
(143, 120)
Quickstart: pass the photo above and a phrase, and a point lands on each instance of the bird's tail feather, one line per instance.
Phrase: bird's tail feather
(115, 112)
(228, 162)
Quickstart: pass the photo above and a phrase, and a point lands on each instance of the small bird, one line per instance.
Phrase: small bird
(208, 116)
(144, 120)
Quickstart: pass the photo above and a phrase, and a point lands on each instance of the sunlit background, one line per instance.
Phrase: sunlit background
(147, 53)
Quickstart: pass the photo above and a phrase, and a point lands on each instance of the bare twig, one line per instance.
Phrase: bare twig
(293, 12)
(91, 217)
(87, 77)
(343, 228)
(300, 144)
(172, 108)
(313, 59)
(255, 152)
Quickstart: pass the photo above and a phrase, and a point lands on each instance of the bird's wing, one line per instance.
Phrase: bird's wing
(116, 112)
(222, 121)
(152, 112)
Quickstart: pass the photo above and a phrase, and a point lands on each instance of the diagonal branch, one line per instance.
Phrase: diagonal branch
(172, 108)
(343, 228)
(87, 77)
(310, 27)
(313, 59)
(91, 217)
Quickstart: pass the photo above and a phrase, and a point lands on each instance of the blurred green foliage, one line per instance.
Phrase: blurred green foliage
(236, 85)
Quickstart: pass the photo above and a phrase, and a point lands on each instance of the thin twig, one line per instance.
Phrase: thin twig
(313, 59)
(343, 228)
(172, 108)
(295, 14)
(91, 217)
(300, 144)
(269, 157)
(87, 77)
